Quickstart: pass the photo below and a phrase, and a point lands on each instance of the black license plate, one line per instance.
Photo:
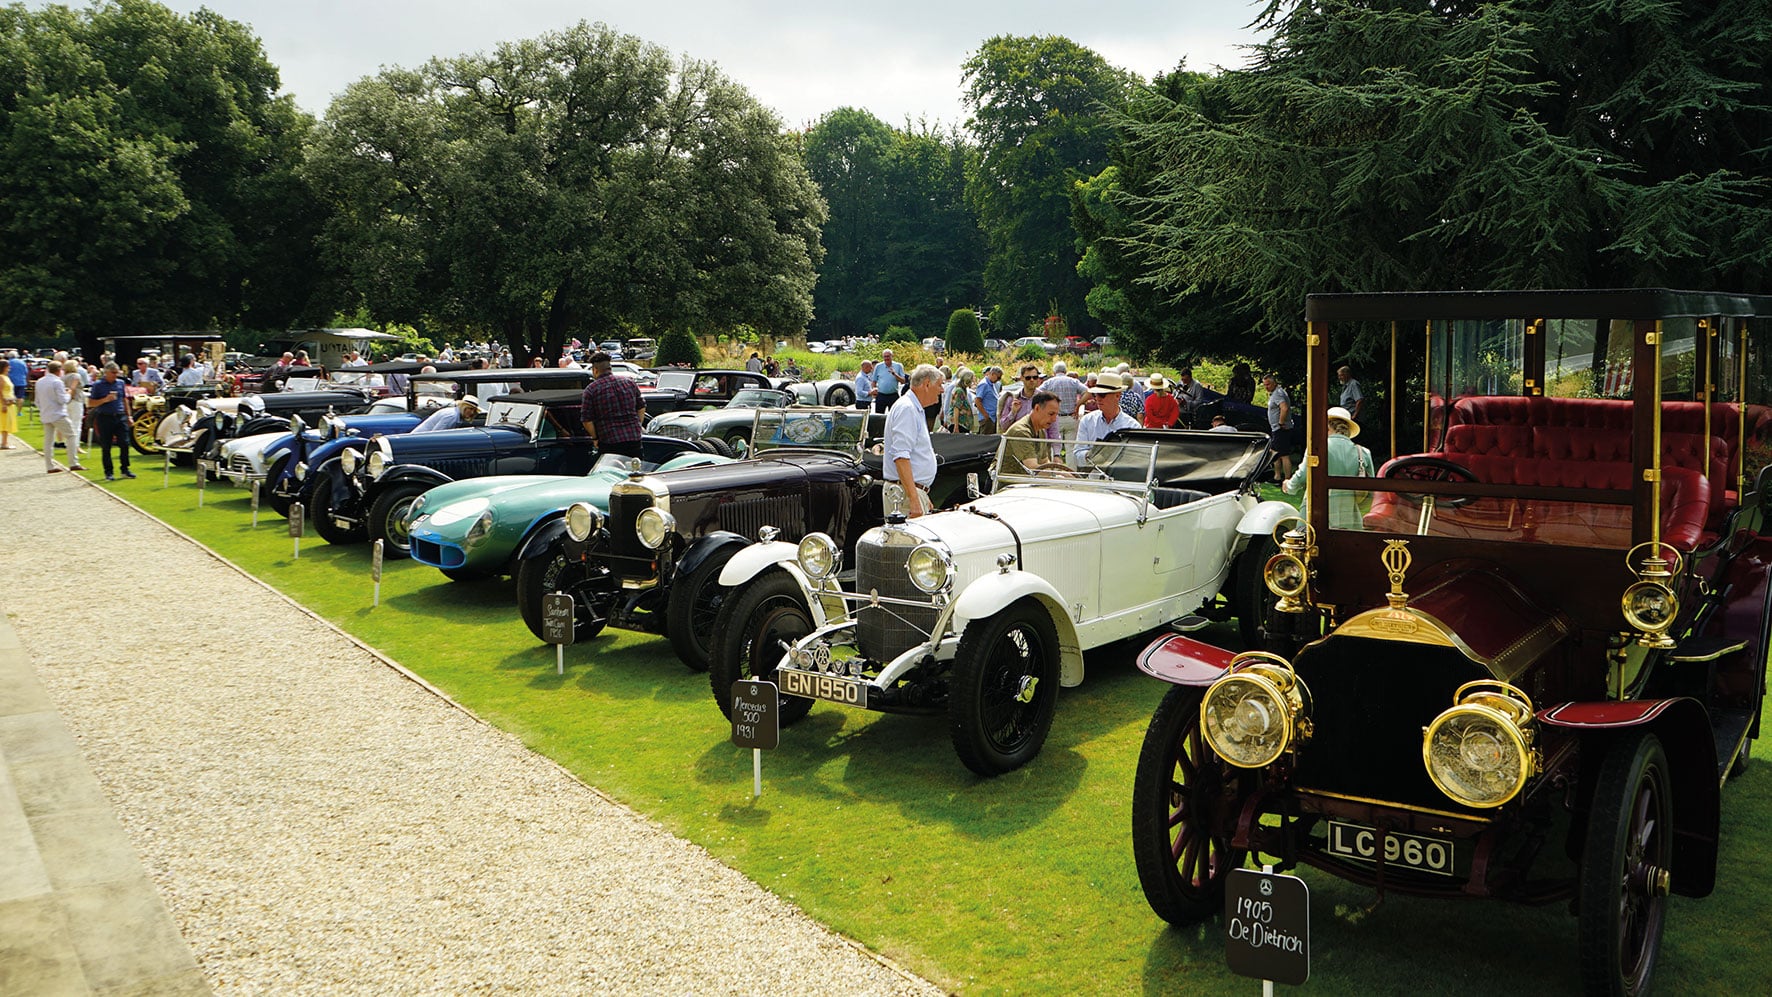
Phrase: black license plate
(1408, 851)
(817, 685)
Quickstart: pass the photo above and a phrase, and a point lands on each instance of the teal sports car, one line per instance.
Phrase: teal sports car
(478, 527)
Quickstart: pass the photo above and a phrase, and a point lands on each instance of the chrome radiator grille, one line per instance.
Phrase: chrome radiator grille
(884, 632)
(239, 464)
(745, 517)
(624, 508)
(674, 431)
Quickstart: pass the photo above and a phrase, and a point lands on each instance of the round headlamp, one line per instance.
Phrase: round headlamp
(653, 526)
(349, 460)
(1650, 606)
(1285, 575)
(376, 464)
(296, 425)
(581, 521)
(929, 568)
(1256, 711)
(335, 427)
(479, 531)
(1479, 752)
(301, 471)
(818, 556)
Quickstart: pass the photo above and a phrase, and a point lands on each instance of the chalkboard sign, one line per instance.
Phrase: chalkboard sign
(375, 559)
(297, 520)
(756, 714)
(255, 497)
(556, 618)
(1267, 926)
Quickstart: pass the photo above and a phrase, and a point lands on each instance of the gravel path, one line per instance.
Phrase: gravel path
(317, 822)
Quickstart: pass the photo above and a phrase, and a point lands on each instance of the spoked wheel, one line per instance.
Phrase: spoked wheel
(694, 607)
(1005, 688)
(1254, 605)
(143, 430)
(389, 518)
(330, 531)
(592, 588)
(841, 396)
(1624, 868)
(1184, 798)
(753, 624)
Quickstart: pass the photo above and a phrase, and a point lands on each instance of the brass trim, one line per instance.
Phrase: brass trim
(1714, 655)
(1394, 805)
(1412, 626)
(1655, 442)
(1529, 648)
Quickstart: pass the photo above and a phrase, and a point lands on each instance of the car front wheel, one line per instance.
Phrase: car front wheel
(1182, 797)
(390, 518)
(753, 623)
(589, 583)
(1005, 688)
(694, 607)
(1256, 615)
(330, 531)
(1624, 868)
(269, 494)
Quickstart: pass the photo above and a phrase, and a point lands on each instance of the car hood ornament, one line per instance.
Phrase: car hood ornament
(1396, 559)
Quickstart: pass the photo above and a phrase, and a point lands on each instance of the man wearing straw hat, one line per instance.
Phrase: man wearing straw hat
(1104, 420)
(1346, 459)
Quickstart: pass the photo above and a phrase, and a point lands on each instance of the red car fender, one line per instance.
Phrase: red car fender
(1182, 660)
(1684, 728)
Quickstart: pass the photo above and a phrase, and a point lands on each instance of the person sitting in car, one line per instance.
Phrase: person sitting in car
(451, 416)
(1026, 447)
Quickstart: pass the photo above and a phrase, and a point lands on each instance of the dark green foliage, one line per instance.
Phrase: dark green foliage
(1039, 109)
(1032, 351)
(678, 346)
(148, 175)
(899, 334)
(901, 243)
(1524, 143)
(964, 335)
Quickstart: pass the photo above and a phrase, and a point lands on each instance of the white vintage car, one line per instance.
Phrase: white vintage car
(984, 611)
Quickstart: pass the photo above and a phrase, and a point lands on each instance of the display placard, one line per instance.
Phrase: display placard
(756, 714)
(556, 618)
(296, 520)
(375, 558)
(1267, 926)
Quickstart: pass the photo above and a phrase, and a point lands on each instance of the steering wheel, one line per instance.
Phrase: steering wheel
(1432, 469)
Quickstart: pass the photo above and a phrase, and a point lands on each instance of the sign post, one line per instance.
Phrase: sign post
(375, 569)
(756, 723)
(1267, 927)
(255, 484)
(202, 479)
(165, 469)
(296, 522)
(557, 626)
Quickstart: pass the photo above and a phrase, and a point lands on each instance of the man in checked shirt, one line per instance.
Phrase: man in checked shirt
(612, 409)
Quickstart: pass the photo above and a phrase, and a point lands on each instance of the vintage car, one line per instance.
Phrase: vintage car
(368, 494)
(475, 528)
(1528, 668)
(983, 612)
(654, 562)
(218, 419)
(149, 413)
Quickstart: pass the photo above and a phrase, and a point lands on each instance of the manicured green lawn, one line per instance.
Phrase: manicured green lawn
(1021, 884)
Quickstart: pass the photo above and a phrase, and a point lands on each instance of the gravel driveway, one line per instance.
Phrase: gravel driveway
(318, 822)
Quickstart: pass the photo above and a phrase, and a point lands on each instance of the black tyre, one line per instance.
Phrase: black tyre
(694, 607)
(592, 588)
(389, 517)
(715, 445)
(1624, 867)
(330, 531)
(737, 444)
(752, 623)
(841, 395)
(278, 502)
(1738, 767)
(1184, 799)
(1004, 689)
(1254, 603)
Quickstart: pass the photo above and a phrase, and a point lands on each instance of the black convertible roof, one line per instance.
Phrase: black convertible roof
(526, 376)
(553, 398)
(1617, 303)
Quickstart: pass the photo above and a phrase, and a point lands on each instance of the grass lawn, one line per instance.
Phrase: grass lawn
(1020, 884)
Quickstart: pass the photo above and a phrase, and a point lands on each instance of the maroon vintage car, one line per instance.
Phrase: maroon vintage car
(1526, 656)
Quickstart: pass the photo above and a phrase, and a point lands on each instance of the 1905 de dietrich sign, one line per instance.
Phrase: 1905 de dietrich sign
(1267, 926)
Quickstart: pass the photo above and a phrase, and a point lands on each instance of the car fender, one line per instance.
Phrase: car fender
(430, 477)
(1261, 520)
(760, 557)
(994, 593)
(704, 547)
(541, 538)
(1683, 726)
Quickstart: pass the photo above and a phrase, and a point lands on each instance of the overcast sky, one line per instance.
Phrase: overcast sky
(896, 58)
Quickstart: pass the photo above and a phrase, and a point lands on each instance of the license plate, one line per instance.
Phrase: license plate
(817, 685)
(1410, 851)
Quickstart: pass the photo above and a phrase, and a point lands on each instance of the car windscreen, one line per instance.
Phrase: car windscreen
(758, 398)
(825, 429)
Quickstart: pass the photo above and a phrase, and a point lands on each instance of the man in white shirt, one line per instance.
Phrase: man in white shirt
(1104, 420)
(52, 408)
(1070, 393)
(450, 416)
(910, 455)
(354, 359)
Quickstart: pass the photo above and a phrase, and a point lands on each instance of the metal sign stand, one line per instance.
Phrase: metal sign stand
(756, 723)
(165, 469)
(202, 479)
(296, 522)
(558, 625)
(1267, 927)
(375, 555)
(255, 505)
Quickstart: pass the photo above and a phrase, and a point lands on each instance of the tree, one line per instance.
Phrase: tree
(149, 176)
(963, 335)
(677, 347)
(583, 179)
(899, 334)
(1521, 143)
(1039, 109)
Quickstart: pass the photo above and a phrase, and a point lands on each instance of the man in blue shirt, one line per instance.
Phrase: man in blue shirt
(987, 397)
(18, 372)
(106, 402)
(864, 385)
(889, 378)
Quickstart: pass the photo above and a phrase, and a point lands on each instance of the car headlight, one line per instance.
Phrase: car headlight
(477, 532)
(1480, 752)
(1650, 606)
(301, 471)
(349, 460)
(818, 556)
(929, 568)
(335, 427)
(1285, 575)
(1256, 711)
(296, 425)
(582, 521)
(376, 464)
(653, 526)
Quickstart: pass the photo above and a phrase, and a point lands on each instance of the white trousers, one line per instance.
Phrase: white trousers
(71, 436)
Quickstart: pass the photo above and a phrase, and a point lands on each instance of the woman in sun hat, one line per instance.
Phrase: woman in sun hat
(1346, 459)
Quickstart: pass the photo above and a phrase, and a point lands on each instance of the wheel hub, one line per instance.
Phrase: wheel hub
(1025, 691)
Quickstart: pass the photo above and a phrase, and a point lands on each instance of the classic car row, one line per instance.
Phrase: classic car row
(1524, 670)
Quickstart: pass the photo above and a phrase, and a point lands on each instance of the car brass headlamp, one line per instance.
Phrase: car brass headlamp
(296, 425)
(818, 556)
(1256, 711)
(1481, 751)
(929, 568)
(1287, 574)
(1650, 605)
(301, 471)
(653, 526)
(335, 427)
(349, 460)
(376, 464)
(582, 521)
